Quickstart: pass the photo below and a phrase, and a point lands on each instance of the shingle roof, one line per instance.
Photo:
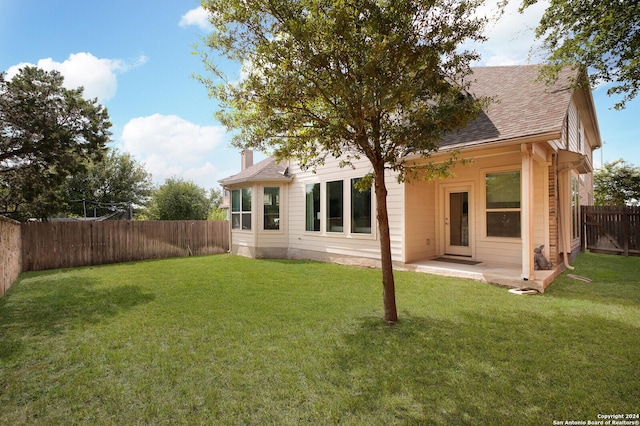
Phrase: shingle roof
(524, 107)
(265, 170)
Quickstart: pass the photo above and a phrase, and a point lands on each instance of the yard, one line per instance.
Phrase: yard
(229, 340)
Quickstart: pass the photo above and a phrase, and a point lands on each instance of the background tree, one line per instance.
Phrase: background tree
(374, 79)
(177, 199)
(116, 182)
(617, 183)
(215, 200)
(603, 36)
(47, 132)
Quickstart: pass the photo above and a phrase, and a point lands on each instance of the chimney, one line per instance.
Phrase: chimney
(247, 158)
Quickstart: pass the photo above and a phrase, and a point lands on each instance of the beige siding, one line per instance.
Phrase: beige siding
(269, 238)
(484, 249)
(571, 125)
(420, 220)
(243, 242)
(342, 244)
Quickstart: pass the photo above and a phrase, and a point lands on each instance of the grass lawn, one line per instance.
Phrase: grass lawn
(229, 340)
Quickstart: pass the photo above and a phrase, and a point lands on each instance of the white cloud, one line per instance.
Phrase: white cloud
(169, 146)
(511, 38)
(98, 76)
(198, 17)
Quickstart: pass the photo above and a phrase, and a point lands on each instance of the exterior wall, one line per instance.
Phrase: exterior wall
(341, 247)
(494, 249)
(243, 242)
(259, 242)
(425, 209)
(415, 210)
(420, 220)
(271, 243)
(577, 140)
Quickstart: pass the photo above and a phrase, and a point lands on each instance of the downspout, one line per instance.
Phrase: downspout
(563, 234)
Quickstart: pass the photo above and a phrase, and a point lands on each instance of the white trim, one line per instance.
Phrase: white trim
(441, 214)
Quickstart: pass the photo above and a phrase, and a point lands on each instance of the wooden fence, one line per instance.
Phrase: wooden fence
(54, 245)
(10, 253)
(614, 230)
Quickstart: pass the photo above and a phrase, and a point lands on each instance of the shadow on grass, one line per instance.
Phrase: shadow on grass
(46, 307)
(479, 370)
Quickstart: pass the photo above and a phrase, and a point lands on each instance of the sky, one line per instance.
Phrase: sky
(137, 57)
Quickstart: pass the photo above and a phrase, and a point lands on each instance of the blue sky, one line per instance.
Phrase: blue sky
(136, 57)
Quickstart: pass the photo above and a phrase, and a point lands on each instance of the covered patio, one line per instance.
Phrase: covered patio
(507, 275)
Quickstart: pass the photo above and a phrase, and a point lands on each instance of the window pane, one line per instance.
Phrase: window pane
(312, 218)
(235, 220)
(459, 219)
(235, 200)
(246, 220)
(360, 210)
(246, 199)
(335, 207)
(503, 224)
(271, 208)
(503, 190)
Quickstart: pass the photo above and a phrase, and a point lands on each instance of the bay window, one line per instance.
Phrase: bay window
(241, 209)
(271, 208)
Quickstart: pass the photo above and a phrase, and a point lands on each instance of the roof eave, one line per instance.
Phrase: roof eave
(492, 143)
(229, 182)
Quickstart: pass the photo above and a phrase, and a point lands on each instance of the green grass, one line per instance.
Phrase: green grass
(228, 340)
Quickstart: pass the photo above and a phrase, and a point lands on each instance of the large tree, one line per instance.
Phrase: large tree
(603, 36)
(47, 132)
(617, 183)
(178, 199)
(374, 79)
(114, 183)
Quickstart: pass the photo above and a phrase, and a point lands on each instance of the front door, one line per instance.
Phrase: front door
(457, 223)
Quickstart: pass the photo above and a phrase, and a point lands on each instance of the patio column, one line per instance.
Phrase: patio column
(526, 206)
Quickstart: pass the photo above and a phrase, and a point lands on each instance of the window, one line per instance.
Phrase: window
(312, 207)
(575, 207)
(241, 208)
(271, 208)
(335, 207)
(503, 204)
(360, 209)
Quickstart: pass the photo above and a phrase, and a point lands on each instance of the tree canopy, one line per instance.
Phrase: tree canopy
(603, 36)
(374, 79)
(178, 199)
(215, 200)
(47, 132)
(617, 183)
(115, 183)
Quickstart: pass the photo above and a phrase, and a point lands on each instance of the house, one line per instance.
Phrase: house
(531, 169)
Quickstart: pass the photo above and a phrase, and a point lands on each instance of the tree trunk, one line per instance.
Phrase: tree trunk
(388, 283)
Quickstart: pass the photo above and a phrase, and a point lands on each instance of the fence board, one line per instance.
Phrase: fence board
(10, 253)
(55, 245)
(611, 229)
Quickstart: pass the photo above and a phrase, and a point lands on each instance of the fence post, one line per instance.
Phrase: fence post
(627, 230)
